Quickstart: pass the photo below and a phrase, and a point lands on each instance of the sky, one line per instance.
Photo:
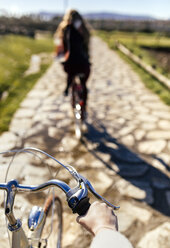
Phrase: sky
(154, 8)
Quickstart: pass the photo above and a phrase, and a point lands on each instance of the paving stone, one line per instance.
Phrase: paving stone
(159, 237)
(3, 230)
(162, 162)
(147, 118)
(159, 165)
(149, 99)
(126, 130)
(32, 175)
(128, 140)
(52, 116)
(101, 115)
(128, 189)
(124, 155)
(139, 134)
(16, 167)
(47, 122)
(112, 145)
(97, 164)
(31, 103)
(92, 146)
(100, 180)
(148, 126)
(145, 186)
(161, 182)
(4, 162)
(24, 113)
(125, 220)
(52, 132)
(34, 130)
(105, 157)
(155, 105)
(120, 121)
(20, 126)
(9, 140)
(22, 206)
(63, 123)
(164, 158)
(164, 124)
(71, 230)
(152, 146)
(169, 146)
(141, 109)
(69, 143)
(140, 214)
(168, 197)
(159, 135)
(38, 93)
(162, 114)
(126, 170)
(81, 163)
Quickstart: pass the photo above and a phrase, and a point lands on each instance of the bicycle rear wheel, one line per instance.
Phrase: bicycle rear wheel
(54, 222)
(78, 108)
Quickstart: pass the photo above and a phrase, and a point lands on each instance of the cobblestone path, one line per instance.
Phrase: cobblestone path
(125, 151)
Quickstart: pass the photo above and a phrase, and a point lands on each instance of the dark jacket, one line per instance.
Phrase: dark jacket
(75, 45)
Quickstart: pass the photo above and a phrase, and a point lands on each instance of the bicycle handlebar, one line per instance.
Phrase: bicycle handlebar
(28, 188)
(77, 197)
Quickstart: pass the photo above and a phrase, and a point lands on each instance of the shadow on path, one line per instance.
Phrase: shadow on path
(131, 167)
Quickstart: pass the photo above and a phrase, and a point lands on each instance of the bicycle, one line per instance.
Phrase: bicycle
(78, 104)
(77, 199)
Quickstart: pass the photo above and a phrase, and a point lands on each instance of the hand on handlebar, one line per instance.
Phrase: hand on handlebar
(99, 216)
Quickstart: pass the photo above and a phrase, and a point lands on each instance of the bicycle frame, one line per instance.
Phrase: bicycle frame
(19, 239)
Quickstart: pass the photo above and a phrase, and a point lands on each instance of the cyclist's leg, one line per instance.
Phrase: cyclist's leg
(69, 82)
(84, 78)
(70, 75)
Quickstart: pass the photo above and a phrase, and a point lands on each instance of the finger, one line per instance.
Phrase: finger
(78, 219)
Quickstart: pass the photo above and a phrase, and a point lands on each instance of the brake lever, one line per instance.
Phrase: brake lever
(79, 178)
(93, 191)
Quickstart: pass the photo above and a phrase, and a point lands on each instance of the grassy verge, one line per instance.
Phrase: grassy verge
(141, 45)
(15, 56)
(147, 79)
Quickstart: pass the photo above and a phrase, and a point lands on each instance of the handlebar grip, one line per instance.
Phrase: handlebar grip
(82, 207)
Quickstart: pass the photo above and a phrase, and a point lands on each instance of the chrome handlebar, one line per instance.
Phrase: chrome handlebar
(13, 184)
(74, 195)
(12, 187)
(77, 197)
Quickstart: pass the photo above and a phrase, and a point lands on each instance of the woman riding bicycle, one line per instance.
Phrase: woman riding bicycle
(72, 42)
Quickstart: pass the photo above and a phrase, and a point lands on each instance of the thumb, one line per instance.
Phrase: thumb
(79, 219)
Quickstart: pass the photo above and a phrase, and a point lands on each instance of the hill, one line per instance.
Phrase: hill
(100, 16)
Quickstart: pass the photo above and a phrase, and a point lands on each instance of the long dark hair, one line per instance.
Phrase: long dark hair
(68, 19)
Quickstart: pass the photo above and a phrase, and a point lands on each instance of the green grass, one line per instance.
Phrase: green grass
(137, 39)
(15, 54)
(134, 44)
